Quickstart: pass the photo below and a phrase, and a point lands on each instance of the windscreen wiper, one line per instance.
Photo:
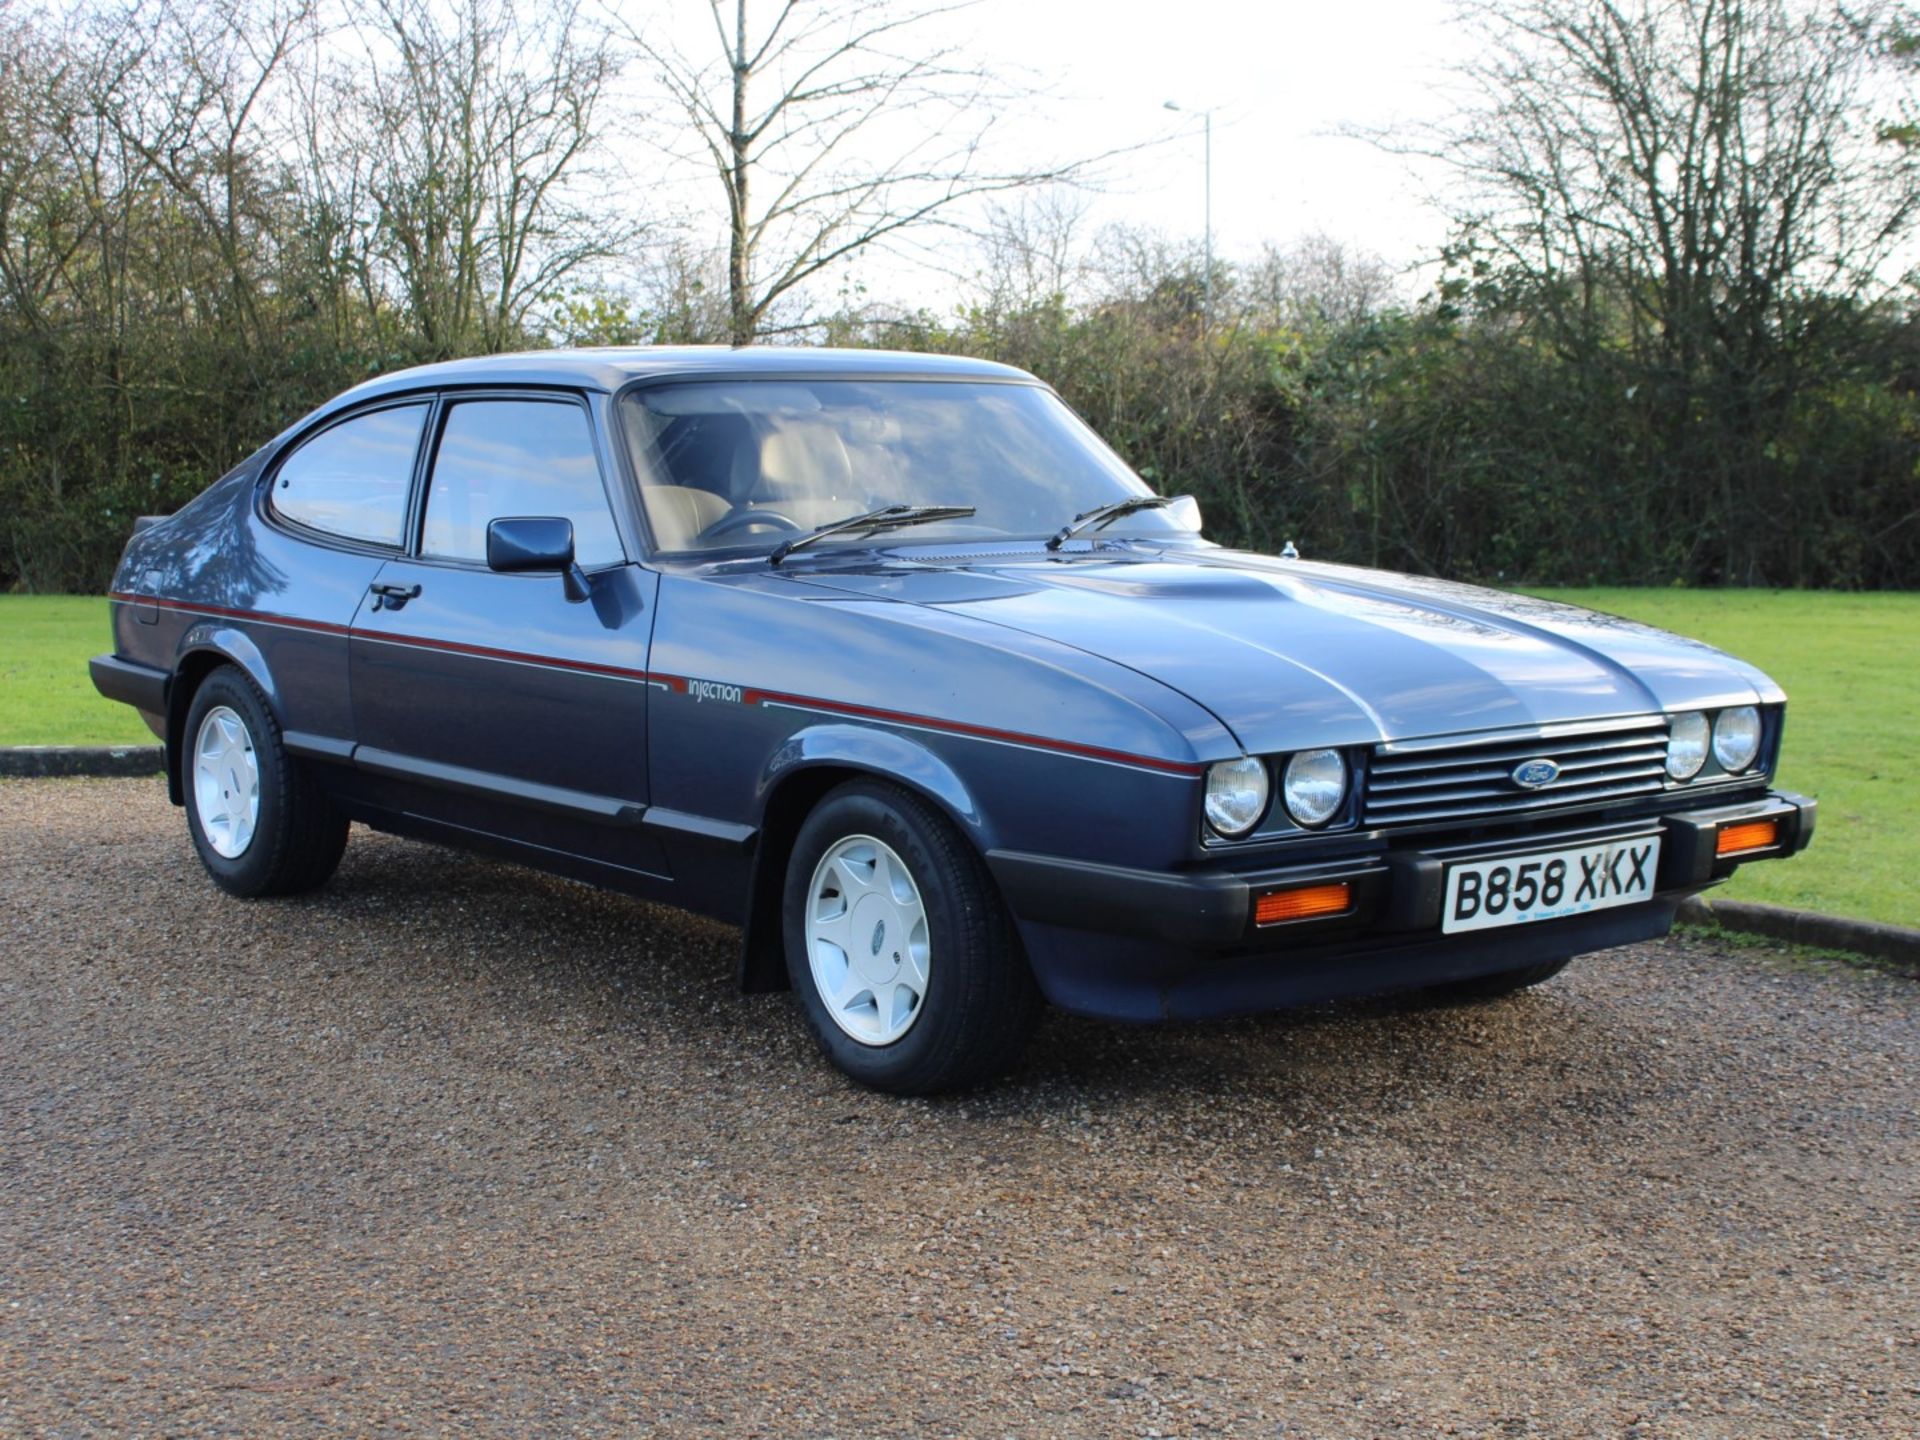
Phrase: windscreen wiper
(888, 517)
(1106, 514)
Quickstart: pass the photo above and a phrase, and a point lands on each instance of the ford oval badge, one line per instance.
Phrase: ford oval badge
(1535, 774)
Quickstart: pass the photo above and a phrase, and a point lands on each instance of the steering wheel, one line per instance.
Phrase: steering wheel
(746, 520)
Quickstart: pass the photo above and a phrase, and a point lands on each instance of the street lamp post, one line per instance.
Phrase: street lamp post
(1206, 278)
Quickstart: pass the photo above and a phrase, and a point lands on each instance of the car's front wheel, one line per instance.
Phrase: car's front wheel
(259, 821)
(899, 948)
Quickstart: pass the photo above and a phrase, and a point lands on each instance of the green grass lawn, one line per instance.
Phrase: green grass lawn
(1850, 665)
(46, 697)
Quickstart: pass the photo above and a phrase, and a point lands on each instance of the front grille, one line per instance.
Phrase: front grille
(1449, 781)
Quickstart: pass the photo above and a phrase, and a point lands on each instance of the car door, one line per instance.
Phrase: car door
(336, 511)
(495, 702)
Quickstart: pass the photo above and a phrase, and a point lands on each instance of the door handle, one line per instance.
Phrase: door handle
(392, 597)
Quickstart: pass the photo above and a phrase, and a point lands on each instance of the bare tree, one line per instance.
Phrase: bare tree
(1033, 250)
(39, 234)
(1891, 31)
(1711, 152)
(829, 129)
(455, 152)
(1315, 280)
(1146, 271)
(1686, 204)
(685, 289)
(190, 92)
(133, 192)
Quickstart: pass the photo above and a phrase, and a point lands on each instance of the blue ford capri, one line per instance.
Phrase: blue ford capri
(891, 661)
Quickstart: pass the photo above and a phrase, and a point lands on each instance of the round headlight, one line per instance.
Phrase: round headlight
(1314, 785)
(1736, 738)
(1687, 746)
(1236, 795)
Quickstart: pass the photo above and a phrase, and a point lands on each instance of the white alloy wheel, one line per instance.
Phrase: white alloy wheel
(226, 782)
(866, 934)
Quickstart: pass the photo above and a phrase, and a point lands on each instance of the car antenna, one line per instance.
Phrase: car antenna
(1288, 551)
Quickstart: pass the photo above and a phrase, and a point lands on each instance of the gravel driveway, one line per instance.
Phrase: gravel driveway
(454, 1148)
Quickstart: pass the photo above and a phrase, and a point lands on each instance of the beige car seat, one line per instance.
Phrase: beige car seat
(680, 513)
(799, 468)
(796, 468)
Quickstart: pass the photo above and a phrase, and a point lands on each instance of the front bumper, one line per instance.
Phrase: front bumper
(1166, 944)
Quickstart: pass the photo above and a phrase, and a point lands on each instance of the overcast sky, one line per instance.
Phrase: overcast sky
(1282, 77)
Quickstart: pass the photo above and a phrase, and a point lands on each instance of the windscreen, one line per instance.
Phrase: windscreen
(745, 464)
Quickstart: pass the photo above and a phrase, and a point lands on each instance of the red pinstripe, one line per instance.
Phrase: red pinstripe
(678, 683)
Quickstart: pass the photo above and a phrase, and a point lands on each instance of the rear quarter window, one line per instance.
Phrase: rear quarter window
(351, 479)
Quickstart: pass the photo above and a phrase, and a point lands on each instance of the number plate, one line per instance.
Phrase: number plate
(1524, 888)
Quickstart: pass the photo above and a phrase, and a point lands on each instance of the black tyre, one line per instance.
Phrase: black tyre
(259, 821)
(1503, 982)
(899, 948)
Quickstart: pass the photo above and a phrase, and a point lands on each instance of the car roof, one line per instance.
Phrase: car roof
(610, 367)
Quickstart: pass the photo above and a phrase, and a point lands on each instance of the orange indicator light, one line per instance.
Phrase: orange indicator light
(1748, 835)
(1303, 904)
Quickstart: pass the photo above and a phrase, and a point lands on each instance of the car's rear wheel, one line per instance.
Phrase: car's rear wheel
(1503, 982)
(899, 948)
(260, 823)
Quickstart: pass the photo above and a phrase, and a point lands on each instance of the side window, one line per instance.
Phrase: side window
(516, 457)
(351, 479)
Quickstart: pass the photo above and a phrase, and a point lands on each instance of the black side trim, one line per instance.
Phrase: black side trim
(606, 809)
(131, 683)
(316, 747)
(699, 827)
(628, 880)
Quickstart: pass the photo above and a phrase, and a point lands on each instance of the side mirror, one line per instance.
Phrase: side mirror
(523, 543)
